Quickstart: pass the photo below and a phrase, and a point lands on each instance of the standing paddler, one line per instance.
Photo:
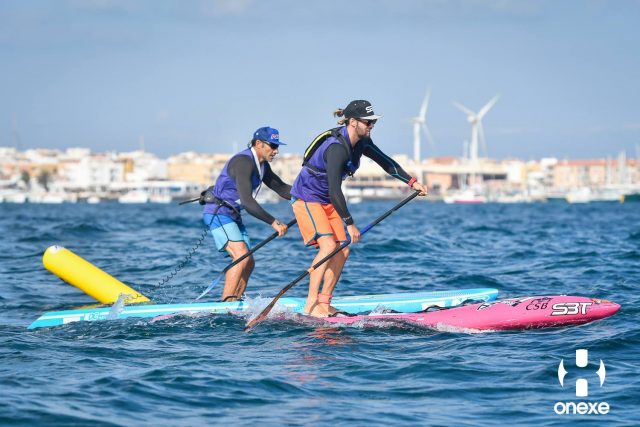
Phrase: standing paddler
(319, 204)
(236, 189)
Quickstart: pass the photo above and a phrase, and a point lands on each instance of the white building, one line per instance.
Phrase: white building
(94, 173)
(142, 166)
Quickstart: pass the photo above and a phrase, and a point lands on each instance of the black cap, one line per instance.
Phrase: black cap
(360, 109)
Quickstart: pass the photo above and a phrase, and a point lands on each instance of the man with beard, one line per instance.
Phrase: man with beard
(319, 204)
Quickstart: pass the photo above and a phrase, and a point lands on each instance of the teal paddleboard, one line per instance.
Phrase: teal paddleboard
(408, 302)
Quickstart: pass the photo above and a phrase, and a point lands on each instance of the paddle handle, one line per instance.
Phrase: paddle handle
(263, 314)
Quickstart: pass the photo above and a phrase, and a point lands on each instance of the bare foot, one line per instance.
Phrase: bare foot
(319, 310)
(332, 310)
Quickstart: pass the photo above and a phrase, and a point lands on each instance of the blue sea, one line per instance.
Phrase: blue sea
(204, 370)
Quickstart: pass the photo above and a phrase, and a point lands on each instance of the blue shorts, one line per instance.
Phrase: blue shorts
(224, 229)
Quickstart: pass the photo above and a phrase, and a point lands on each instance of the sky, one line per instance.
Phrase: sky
(203, 75)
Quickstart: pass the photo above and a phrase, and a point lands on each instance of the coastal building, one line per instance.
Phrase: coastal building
(142, 166)
(196, 168)
(571, 174)
(77, 173)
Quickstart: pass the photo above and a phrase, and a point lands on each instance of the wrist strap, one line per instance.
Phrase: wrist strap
(412, 181)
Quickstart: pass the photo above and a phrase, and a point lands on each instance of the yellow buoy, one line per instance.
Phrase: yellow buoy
(87, 277)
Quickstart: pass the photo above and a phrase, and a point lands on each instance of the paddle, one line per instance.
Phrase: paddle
(260, 317)
(234, 263)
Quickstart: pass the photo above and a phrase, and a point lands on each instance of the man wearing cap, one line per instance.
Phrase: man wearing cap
(319, 204)
(235, 190)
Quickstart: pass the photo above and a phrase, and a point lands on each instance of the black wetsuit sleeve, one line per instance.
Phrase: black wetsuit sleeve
(240, 169)
(335, 158)
(387, 163)
(274, 182)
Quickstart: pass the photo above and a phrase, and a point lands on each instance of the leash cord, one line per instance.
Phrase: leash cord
(186, 259)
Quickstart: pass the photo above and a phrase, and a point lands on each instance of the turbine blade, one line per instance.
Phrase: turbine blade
(488, 106)
(464, 109)
(425, 106)
(425, 129)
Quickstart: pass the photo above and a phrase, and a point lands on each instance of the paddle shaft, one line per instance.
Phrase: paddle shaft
(230, 266)
(260, 317)
(255, 248)
(189, 201)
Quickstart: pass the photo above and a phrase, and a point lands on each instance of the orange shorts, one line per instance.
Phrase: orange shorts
(315, 220)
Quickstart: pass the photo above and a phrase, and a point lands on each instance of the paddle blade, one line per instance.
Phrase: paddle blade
(211, 286)
(259, 318)
(263, 314)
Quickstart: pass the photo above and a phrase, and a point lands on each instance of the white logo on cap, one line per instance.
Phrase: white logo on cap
(369, 109)
(275, 136)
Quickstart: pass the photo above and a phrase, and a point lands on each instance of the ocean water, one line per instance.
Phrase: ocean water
(204, 370)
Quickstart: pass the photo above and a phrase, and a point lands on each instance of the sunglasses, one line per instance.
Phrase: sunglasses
(368, 122)
(272, 145)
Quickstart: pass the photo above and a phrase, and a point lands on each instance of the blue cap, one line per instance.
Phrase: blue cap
(269, 135)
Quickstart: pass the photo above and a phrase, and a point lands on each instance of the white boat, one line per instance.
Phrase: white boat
(15, 198)
(468, 196)
(579, 195)
(607, 194)
(135, 196)
(160, 198)
(53, 198)
(512, 198)
(12, 196)
(93, 200)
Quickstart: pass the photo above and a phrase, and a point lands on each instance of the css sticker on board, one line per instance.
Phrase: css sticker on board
(582, 389)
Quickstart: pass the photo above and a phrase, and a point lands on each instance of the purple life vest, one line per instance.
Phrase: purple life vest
(225, 189)
(311, 184)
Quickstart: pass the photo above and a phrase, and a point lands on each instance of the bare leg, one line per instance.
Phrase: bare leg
(329, 273)
(326, 245)
(244, 280)
(237, 277)
(332, 274)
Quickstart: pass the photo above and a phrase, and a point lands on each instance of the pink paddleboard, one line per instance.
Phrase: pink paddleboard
(516, 313)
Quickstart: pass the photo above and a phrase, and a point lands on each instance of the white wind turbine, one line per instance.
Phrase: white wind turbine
(420, 124)
(476, 126)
